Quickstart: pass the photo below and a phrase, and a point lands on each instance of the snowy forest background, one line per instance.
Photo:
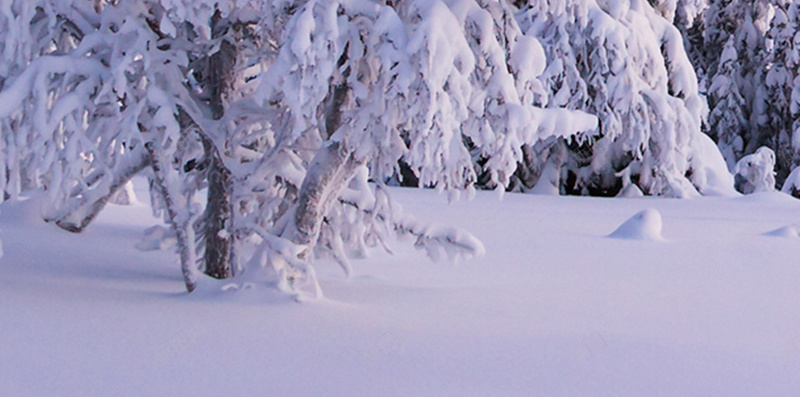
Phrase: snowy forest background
(270, 130)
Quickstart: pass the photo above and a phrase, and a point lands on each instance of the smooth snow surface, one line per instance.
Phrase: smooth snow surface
(554, 308)
(645, 225)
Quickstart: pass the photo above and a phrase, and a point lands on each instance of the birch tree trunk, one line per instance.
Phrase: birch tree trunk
(178, 215)
(325, 176)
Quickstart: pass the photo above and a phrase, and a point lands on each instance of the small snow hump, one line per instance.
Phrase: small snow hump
(786, 231)
(645, 225)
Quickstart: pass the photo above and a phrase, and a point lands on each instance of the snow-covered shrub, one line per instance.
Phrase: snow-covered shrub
(792, 184)
(755, 172)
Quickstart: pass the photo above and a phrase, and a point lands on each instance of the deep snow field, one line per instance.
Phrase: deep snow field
(708, 307)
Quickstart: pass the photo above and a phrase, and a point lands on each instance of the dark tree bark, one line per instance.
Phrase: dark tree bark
(220, 73)
(214, 75)
(218, 256)
(219, 239)
(219, 251)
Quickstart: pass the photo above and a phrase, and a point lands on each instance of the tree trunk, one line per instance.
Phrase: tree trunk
(327, 173)
(325, 177)
(219, 242)
(217, 223)
(178, 216)
(220, 74)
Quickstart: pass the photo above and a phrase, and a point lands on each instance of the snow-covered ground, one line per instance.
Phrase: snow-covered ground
(554, 308)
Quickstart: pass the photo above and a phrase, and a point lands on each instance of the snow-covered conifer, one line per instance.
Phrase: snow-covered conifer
(690, 20)
(728, 120)
(638, 81)
(772, 110)
(688, 11)
(793, 64)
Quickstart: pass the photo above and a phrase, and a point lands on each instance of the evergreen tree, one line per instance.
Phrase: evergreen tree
(773, 107)
(626, 64)
(728, 121)
(742, 27)
(690, 21)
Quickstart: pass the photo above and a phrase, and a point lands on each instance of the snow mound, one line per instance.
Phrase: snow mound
(786, 231)
(645, 225)
(710, 173)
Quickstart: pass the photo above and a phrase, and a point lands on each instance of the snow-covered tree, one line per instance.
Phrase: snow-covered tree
(791, 185)
(722, 19)
(287, 114)
(115, 88)
(750, 97)
(682, 12)
(793, 63)
(624, 62)
(690, 21)
(748, 22)
(773, 121)
(687, 12)
(427, 82)
(728, 119)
